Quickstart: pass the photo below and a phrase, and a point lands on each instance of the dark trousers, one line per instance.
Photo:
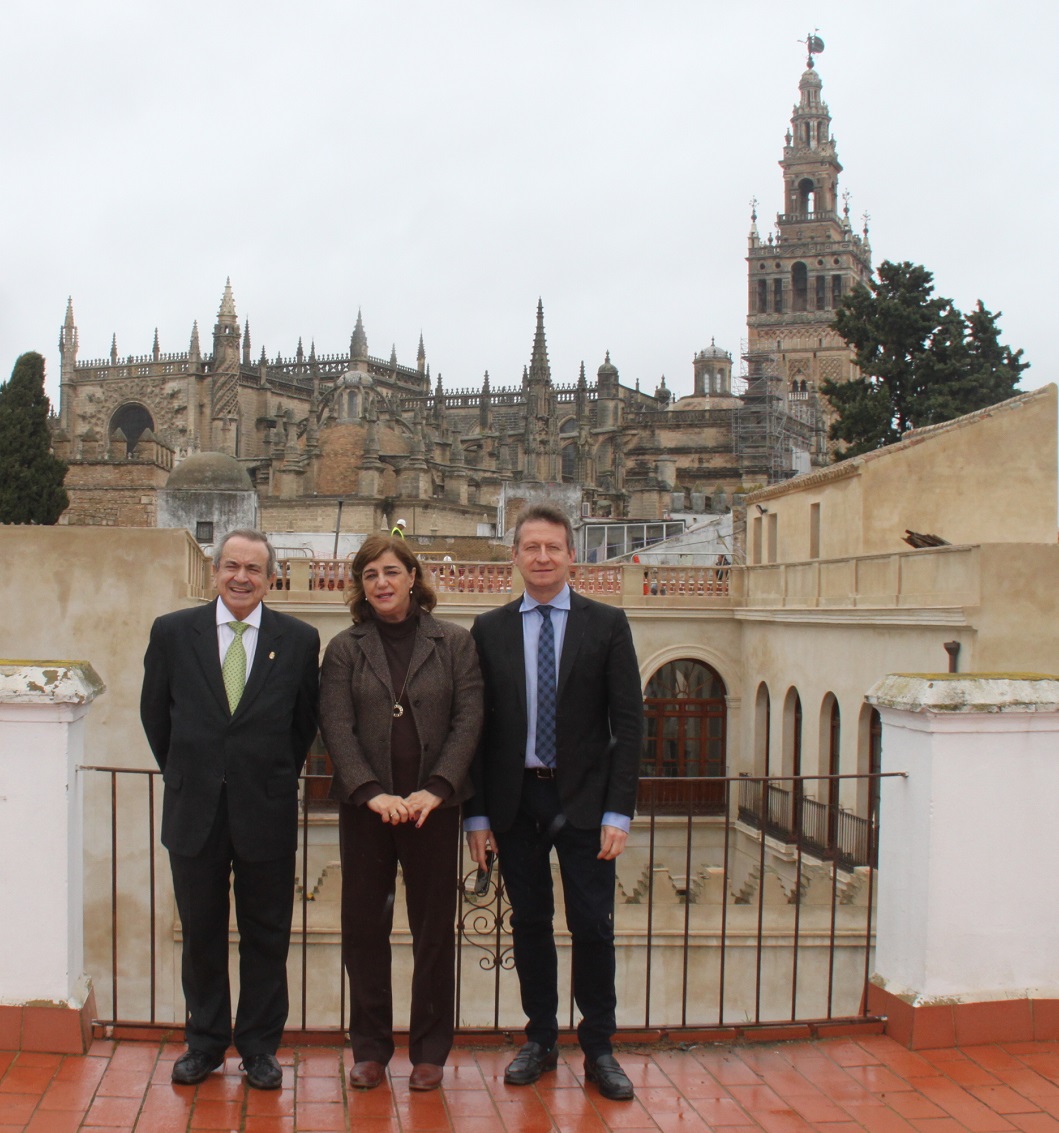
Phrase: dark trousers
(264, 902)
(588, 887)
(371, 851)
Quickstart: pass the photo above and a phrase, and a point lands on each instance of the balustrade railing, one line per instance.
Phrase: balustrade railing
(790, 815)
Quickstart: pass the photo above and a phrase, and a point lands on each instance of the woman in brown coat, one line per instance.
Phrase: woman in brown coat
(400, 713)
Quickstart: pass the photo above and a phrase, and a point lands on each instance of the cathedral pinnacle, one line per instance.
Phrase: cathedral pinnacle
(226, 315)
(195, 351)
(539, 368)
(358, 343)
(154, 347)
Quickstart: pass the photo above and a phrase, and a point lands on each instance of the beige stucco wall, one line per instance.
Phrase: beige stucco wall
(990, 477)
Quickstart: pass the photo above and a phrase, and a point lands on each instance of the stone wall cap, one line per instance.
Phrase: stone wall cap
(967, 692)
(48, 682)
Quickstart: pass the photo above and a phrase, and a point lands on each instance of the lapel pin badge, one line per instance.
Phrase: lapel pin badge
(272, 656)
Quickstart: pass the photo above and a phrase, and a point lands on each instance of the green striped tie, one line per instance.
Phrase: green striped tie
(234, 668)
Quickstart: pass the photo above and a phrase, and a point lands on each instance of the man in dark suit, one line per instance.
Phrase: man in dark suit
(229, 706)
(558, 766)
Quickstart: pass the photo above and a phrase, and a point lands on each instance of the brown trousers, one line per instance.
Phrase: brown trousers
(371, 851)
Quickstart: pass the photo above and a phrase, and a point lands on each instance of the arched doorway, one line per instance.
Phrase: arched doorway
(686, 740)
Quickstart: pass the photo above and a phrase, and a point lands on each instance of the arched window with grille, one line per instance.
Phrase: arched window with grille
(686, 740)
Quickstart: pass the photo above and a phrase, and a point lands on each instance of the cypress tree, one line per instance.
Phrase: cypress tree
(31, 477)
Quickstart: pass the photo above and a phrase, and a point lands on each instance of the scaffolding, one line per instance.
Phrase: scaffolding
(764, 432)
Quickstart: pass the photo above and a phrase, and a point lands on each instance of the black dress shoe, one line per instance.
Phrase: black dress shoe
(530, 1063)
(195, 1066)
(609, 1077)
(263, 1072)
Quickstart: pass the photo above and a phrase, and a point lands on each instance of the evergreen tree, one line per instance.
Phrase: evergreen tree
(31, 478)
(921, 361)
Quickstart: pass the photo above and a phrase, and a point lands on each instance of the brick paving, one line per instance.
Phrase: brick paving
(864, 1085)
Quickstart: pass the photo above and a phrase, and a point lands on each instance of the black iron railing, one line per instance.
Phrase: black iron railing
(718, 926)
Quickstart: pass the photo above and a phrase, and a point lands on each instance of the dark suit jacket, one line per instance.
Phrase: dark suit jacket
(599, 726)
(258, 752)
(444, 687)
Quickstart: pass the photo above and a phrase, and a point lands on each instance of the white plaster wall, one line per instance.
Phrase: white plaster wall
(967, 901)
(41, 888)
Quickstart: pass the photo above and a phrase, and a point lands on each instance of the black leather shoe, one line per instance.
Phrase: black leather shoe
(195, 1066)
(263, 1072)
(530, 1063)
(609, 1077)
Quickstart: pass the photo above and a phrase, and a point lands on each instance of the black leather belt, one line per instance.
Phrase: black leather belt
(541, 772)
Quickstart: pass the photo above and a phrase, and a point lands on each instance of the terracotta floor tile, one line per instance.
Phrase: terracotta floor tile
(16, 1109)
(848, 1053)
(320, 1088)
(470, 1103)
(682, 1122)
(55, 1122)
(464, 1076)
(68, 1096)
(40, 1059)
(1034, 1122)
(371, 1103)
(937, 1125)
(319, 1116)
(1003, 1099)
(118, 1112)
(878, 1079)
(488, 1125)
(817, 1109)
(134, 1056)
(881, 1118)
(81, 1069)
(623, 1115)
(911, 1104)
(720, 1111)
(728, 1069)
(663, 1099)
(21, 1079)
(523, 1117)
(261, 1124)
(755, 1099)
(322, 1060)
(123, 1083)
(216, 1115)
(271, 1103)
(968, 1074)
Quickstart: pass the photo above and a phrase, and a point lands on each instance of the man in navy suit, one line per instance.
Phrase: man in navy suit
(229, 705)
(558, 766)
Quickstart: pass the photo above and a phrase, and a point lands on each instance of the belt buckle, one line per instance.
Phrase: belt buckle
(543, 772)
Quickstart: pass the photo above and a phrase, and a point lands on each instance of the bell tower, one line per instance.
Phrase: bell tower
(799, 273)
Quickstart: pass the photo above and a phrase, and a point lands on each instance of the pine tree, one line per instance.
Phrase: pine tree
(31, 478)
(921, 361)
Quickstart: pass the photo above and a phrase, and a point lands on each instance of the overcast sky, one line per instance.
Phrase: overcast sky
(442, 165)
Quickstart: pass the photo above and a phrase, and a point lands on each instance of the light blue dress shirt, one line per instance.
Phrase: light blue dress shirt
(531, 633)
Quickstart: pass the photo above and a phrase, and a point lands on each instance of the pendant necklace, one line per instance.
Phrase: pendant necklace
(398, 707)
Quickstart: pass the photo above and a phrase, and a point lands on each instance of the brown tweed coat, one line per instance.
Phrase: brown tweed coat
(444, 690)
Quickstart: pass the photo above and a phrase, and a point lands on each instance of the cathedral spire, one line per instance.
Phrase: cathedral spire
(226, 316)
(246, 343)
(154, 348)
(195, 350)
(539, 369)
(68, 336)
(358, 343)
(421, 355)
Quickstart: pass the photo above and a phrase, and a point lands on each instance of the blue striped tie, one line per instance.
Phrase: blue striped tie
(546, 689)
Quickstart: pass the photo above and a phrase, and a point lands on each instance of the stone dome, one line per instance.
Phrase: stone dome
(209, 472)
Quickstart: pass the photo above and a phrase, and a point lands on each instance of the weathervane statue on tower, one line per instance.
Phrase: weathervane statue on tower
(815, 45)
